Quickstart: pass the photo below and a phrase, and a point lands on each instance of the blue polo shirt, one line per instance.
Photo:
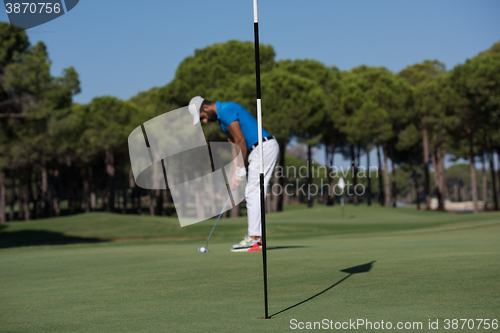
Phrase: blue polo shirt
(227, 112)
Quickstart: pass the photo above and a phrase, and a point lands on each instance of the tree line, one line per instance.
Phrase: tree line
(60, 157)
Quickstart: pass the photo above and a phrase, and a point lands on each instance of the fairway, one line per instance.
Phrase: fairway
(395, 265)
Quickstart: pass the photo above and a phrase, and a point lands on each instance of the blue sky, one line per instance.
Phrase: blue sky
(123, 47)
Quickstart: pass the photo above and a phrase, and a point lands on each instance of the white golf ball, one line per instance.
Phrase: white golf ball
(202, 249)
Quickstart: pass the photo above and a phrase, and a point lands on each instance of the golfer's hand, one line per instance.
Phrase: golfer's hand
(238, 176)
(235, 181)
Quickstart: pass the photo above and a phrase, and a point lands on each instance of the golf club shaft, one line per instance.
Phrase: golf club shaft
(229, 198)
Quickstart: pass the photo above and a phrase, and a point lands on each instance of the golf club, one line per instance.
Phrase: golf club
(205, 249)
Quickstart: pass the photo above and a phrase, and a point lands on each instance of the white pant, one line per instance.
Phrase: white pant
(270, 152)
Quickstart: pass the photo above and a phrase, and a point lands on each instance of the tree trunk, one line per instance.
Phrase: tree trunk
(380, 186)
(275, 197)
(437, 179)
(282, 180)
(235, 211)
(427, 187)
(2, 196)
(473, 173)
(12, 195)
(493, 178)
(139, 202)
(131, 184)
(393, 178)
(30, 195)
(165, 202)
(268, 198)
(442, 174)
(35, 195)
(309, 176)
(462, 193)
(69, 184)
(159, 202)
(125, 193)
(45, 191)
(415, 186)
(498, 172)
(78, 185)
(20, 209)
(485, 183)
(104, 198)
(150, 203)
(55, 191)
(86, 189)
(330, 199)
(497, 184)
(358, 164)
(26, 196)
(354, 175)
(93, 200)
(387, 198)
(369, 180)
(110, 172)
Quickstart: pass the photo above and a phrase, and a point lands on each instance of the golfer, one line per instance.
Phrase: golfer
(241, 129)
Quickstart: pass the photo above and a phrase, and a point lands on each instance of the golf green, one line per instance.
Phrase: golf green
(376, 264)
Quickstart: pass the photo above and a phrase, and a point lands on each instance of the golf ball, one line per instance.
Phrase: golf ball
(202, 249)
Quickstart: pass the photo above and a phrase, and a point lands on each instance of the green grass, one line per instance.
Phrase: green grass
(427, 265)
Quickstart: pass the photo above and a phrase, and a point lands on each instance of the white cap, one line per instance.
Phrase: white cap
(194, 108)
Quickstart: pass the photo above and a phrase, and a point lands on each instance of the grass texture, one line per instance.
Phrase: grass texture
(395, 265)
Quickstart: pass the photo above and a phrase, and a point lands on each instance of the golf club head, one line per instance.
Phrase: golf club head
(202, 249)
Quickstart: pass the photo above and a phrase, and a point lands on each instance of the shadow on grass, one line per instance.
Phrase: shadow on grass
(41, 237)
(285, 247)
(365, 268)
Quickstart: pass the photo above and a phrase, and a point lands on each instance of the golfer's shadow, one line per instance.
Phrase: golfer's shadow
(365, 268)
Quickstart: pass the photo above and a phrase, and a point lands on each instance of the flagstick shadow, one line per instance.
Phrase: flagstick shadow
(285, 247)
(352, 270)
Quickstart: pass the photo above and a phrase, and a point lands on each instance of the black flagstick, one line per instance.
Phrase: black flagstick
(261, 161)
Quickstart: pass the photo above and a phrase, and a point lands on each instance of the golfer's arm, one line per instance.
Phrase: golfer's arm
(238, 137)
(234, 153)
